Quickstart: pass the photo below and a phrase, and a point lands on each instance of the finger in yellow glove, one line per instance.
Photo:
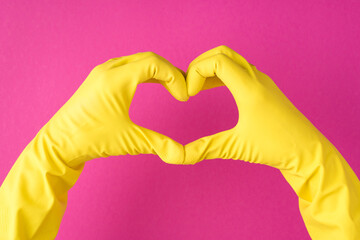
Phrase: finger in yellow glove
(93, 123)
(271, 131)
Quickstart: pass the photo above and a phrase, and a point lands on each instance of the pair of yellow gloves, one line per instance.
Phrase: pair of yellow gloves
(95, 123)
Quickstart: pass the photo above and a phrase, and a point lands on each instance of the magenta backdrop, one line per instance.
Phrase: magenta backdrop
(309, 48)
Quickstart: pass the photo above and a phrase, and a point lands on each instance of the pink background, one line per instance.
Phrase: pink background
(309, 48)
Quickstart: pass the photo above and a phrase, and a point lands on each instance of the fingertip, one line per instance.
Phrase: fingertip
(193, 153)
(194, 82)
(174, 153)
(177, 89)
(184, 99)
(166, 148)
(183, 92)
(193, 91)
(180, 95)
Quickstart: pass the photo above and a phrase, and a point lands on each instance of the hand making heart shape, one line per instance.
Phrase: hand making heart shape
(95, 122)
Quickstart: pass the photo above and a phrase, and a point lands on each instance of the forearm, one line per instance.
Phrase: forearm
(33, 196)
(329, 194)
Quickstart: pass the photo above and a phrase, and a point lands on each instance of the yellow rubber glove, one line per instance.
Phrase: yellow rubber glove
(93, 123)
(271, 131)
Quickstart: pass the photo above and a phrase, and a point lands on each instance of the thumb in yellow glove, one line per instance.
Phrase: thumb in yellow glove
(93, 123)
(271, 131)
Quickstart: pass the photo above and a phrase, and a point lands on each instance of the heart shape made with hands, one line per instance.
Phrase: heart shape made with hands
(203, 73)
(268, 130)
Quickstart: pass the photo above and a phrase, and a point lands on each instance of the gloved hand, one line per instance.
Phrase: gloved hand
(96, 116)
(271, 131)
(93, 123)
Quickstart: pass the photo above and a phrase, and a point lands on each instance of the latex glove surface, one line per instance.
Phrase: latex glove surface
(271, 131)
(93, 123)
